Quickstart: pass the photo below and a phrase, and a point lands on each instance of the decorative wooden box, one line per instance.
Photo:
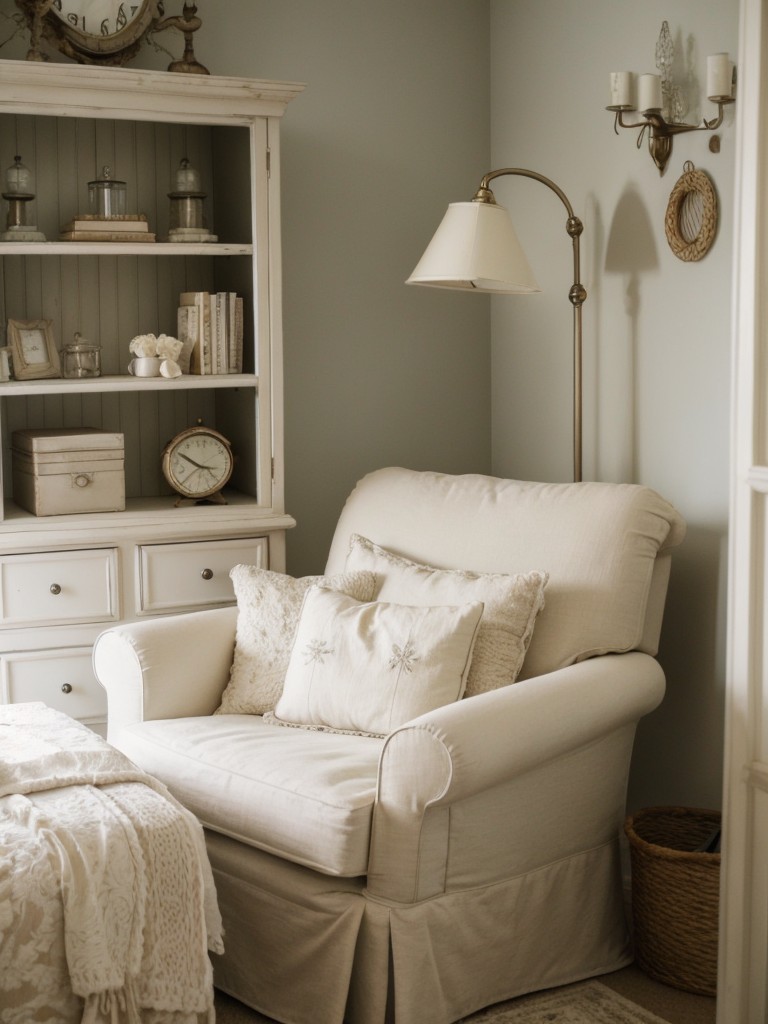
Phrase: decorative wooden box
(56, 472)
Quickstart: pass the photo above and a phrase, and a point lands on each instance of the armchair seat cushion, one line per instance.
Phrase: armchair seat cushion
(304, 796)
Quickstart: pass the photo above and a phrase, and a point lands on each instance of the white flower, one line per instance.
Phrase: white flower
(144, 345)
(168, 347)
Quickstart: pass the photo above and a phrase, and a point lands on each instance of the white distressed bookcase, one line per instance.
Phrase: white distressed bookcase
(64, 578)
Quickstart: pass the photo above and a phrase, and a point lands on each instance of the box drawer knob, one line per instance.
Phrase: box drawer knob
(82, 480)
(55, 588)
(66, 687)
(207, 574)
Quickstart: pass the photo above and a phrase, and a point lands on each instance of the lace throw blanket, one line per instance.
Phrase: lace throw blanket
(105, 885)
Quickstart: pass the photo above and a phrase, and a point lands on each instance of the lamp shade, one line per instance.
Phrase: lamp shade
(475, 247)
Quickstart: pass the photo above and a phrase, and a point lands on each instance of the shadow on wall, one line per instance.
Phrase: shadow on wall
(630, 252)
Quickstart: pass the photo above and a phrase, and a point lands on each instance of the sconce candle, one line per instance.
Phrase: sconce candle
(621, 89)
(649, 92)
(719, 75)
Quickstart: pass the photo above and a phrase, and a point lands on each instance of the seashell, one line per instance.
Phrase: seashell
(169, 368)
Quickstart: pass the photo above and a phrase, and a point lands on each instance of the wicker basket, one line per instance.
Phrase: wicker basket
(675, 895)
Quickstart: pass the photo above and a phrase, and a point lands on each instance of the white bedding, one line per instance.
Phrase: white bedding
(107, 903)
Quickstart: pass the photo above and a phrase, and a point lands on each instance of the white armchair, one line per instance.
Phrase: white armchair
(473, 853)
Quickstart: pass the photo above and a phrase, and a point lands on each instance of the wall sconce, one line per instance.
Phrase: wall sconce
(654, 90)
(475, 248)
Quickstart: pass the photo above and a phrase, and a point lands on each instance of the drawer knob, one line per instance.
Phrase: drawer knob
(55, 588)
(207, 574)
(81, 480)
(66, 687)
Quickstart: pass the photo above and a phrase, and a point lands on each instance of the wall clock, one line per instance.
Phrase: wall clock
(90, 31)
(197, 463)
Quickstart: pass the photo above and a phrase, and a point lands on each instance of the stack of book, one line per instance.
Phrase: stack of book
(87, 227)
(210, 328)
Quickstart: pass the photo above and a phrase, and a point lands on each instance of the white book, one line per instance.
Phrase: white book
(238, 334)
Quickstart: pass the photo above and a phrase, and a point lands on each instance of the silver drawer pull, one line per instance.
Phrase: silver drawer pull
(207, 574)
(55, 588)
(66, 687)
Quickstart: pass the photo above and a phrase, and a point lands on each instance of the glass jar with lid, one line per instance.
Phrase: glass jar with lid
(81, 358)
(106, 195)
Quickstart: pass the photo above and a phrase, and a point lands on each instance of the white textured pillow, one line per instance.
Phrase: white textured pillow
(268, 609)
(371, 667)
(512, 603)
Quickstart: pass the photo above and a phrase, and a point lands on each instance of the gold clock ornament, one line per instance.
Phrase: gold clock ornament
(198, 463)
(102, 32)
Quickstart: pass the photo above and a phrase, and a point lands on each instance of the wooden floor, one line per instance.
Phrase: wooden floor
(670, 1004)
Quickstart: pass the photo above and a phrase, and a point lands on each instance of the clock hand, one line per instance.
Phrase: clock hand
(197, 464)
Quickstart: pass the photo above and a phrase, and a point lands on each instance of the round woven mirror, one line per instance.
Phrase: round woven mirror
(691, 219)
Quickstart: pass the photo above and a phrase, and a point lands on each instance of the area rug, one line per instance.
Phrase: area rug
(588, 1002)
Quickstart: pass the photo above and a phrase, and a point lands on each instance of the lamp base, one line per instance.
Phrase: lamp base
(23, 233)
(191, 235)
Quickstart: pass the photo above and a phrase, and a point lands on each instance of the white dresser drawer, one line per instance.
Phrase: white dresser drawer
(194, 574)
(58, 587)
(61, 678)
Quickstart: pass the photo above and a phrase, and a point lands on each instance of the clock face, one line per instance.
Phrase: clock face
(96, 31)
(198, 462)
(97, 17)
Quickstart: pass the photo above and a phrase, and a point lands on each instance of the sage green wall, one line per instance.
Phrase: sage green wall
(394, 120)
(657, 329)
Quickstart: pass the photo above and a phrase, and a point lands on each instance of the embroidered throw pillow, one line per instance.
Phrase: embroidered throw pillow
(511, 602)
(371, 667)
(268, 608)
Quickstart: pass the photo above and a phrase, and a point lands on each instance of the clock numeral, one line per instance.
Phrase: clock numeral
(57, 4)
(121, 19)
(105, 27)
(74, 20)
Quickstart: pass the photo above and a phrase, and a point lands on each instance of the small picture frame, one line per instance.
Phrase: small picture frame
(33, 351)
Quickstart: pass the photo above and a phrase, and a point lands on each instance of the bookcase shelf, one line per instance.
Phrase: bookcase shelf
(125, 382)
(125, 249)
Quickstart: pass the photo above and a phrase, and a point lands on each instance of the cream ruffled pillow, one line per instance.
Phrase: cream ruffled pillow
(512, 603)
(371, 667)
(268, 608)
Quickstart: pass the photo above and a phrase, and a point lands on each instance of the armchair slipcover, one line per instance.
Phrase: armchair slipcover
(473, 853)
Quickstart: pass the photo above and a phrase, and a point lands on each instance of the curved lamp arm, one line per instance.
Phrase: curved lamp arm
(577, 293)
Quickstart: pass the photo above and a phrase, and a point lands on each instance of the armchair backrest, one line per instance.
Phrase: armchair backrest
(605, 546)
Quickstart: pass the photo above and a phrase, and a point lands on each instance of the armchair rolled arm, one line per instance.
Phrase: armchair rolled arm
(580, 718)
(169, 667)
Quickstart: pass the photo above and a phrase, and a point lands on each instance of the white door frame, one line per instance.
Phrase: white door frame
(743, 957)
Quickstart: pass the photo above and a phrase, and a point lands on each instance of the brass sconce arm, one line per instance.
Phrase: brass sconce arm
(577, 293)
(661, 132)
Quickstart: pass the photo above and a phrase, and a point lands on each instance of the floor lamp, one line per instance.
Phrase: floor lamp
(476, 248)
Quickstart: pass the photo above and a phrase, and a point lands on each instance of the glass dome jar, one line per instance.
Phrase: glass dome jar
(186, 213)
(81, 359)
(18, 179)
(106, 195)
(187, 177)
